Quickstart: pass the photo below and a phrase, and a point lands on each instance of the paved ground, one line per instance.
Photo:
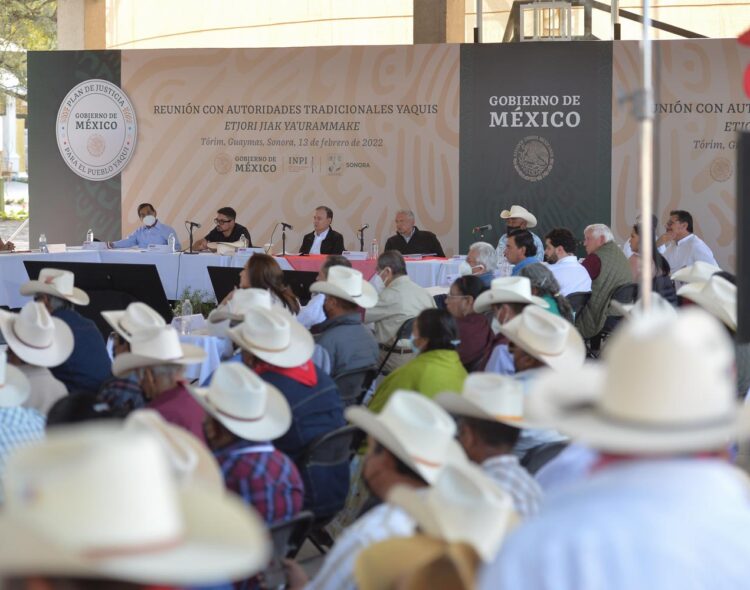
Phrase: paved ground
(15, 191)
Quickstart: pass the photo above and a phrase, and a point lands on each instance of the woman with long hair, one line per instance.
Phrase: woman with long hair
(261, 271)
(662, 282)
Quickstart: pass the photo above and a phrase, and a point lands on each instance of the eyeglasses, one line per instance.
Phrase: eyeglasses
(218, 221)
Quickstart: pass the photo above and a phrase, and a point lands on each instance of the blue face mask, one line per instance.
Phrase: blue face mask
(413, 345)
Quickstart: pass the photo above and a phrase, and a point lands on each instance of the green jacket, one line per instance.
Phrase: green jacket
(430, 373)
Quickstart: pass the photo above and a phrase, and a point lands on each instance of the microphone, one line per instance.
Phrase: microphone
(193, 224)
(364, 227)
(482, 228)
(285, 225)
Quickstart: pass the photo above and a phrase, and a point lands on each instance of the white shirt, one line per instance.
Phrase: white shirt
(571, 465)
(45, 388)
(533, 437)
(500, 361)
(643, 524)
(312, 313)
(688, 250)
(382, 522)
(571, 275)
(317, 241)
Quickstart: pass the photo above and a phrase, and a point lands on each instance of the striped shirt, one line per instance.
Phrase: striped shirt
(18, 427)
(508, 473)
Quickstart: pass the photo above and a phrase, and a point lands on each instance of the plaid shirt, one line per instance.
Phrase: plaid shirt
(18, 426)
(123, 393)
(510, 475)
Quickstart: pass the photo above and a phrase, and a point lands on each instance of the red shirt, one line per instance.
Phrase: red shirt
(178, 407)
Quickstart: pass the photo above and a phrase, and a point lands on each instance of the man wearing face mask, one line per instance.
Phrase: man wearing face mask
(152, 231)
(481, 261)
(519, 218)
(399, 300)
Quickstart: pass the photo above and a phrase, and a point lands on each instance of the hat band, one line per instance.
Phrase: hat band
(123, 328)
(22, 341)
(425, 462)
(126, 550)
(267, 348)
(509, 417)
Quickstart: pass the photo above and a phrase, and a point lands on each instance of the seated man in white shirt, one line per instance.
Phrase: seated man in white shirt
(312, 313)
(559, 254)
(683, 247)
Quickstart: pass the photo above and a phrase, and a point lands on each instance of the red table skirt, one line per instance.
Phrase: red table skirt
(314, 262)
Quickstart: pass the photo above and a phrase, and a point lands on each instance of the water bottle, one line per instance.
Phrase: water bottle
(243, 241)
(187, 311)
(90, 236)
(374, 249)
(172, 241)
(43, 244)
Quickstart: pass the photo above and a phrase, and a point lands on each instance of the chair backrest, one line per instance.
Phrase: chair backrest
(404, 331)
(353, 385)
(626, 293)
(578, 300)
(287, 538)
(331, 448)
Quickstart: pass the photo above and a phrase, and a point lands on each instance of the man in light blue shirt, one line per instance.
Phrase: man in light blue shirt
(519, 218)
(520, 249)
(151, 232)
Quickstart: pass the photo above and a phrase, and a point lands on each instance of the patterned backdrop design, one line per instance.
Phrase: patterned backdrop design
(406, 155)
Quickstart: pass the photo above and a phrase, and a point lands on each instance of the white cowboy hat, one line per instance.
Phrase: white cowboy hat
(547, 337)
(698, 272)
(666, 386)
(717, 296)
(658, 303)
(36, 337)
(135, 317)
(348, 284)
(415, 429)
(521, 213)
(156, 346)
(191, 461)
(487, 396)
(462, 505)
(56, 282)
(273, 336)
(14, 386)
(225, 248)
(242, 299)
(508, 290)
(97, 501)
(245, 404)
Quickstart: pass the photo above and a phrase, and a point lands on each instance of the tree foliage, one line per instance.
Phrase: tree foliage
(27, 25)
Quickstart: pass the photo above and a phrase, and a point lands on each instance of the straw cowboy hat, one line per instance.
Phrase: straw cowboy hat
(487, 396)
(156, 346)
(98, 501)
(717, 296)
(462, 505)
(507, 290)
(36, 337)
(521, 213)
(419, 562)
(698, 272)
(273, 336)
(245, 404)
(135, 317)
(415, 429)
(226, 248)
(14, 386)
(242, 299)
(56, 282)
(680, 399)
(191, 461)
(546, 337)
(658, 303)
(348, 284)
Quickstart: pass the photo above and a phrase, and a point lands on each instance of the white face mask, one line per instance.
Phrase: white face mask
(496, 325)
(149, 220)
(465, 269)
(377, 282)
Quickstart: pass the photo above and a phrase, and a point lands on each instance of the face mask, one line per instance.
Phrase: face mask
(496, 325)
(464, 268)
(377, 282)
(149, 220)
(414, 347)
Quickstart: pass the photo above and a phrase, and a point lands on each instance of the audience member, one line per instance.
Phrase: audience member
(323, 239)
(232, 312)
(560, 255)
(409, 239)
(545, 285)
(88, 366)
(261, 271)
(481, 261)
(152, 231)
(683, 247)
(227, 230)
(81, 406)
(312, 313)
(519, 218)
(520, 250)
(660, 270)
(474, 332)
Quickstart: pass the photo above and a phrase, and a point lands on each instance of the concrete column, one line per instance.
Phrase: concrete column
(81, 24)
(439, 21)
(10, 155)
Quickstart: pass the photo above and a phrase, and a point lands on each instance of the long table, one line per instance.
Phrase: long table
(179, 271)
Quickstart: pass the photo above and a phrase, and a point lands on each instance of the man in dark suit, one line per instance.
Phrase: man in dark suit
(409, 239)
(323, 239)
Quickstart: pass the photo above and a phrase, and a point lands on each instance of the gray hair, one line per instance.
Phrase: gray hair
(486, 255)
(541, 278)
(407, 212)
(167, 371)
(599, 230)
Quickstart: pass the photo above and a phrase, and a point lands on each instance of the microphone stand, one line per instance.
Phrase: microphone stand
(283, 239)
(361, 233)
(190, 231)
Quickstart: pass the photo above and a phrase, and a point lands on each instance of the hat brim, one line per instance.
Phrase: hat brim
(689, 274)
(50, 356)
(458, 405)
(567, 402)
(572, 356)
(372, 425)
(488, 298)
(528, 217)
(79, 297)
(274, 423)
(368, 298)
(16, 389)
(128, 361)
(223, 540)
(300, 349)
(695, 293)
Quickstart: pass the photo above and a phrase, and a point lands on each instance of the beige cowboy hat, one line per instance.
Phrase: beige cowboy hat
(547, 337)
(14, 386)
(242, 299)
(273, 336)
(698, 272)
(462, 505)
(58, 283)
(666, 386)
(99, 501)
(487, 396)
(415, 429)
(156, 346)
(135, 317)
(348, 284)
(717, 296)
(507, 290)
(245, 404)
(190, 459)
(658, 303)
(36, 337)
(521, 213)
(225, 248)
